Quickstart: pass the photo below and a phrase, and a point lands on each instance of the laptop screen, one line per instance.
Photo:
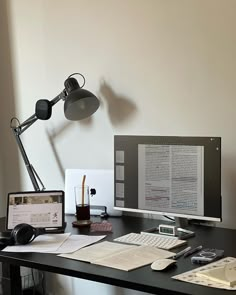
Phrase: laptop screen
(39, 209)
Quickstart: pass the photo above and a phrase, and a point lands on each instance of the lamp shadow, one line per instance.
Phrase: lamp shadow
(120, 108)
(51, 135)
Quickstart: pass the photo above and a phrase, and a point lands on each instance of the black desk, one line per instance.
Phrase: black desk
(142, 279)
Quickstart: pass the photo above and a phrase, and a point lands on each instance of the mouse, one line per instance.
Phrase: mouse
(162, 264)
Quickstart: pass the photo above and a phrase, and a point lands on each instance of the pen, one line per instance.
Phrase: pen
(177, 255)
(191, 251)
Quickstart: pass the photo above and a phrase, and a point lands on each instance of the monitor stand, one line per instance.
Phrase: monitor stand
(182, 224)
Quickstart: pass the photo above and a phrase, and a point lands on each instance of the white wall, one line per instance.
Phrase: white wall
(9, 168)
(161, 67)
(158, 67)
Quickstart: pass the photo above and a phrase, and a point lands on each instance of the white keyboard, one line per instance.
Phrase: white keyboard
(150, 239)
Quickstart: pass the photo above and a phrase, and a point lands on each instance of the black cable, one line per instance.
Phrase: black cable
(42, 284)
(168, 217)
(32, 274)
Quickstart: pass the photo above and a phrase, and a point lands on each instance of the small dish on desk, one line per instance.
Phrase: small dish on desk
(162, 264)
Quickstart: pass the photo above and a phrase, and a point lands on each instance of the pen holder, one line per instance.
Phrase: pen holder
(82, 204)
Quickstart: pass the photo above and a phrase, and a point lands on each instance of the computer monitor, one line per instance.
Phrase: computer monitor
(168, 175)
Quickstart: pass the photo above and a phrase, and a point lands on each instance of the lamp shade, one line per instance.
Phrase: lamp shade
(79, 103)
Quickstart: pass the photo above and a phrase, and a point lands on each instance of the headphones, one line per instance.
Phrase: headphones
(22, 234)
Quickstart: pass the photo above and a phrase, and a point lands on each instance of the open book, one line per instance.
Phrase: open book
(225, 274)
(119, 256)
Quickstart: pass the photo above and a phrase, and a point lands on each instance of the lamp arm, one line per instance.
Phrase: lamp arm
(32, 119)
(60, 96)
(31, 171)
(18, 130)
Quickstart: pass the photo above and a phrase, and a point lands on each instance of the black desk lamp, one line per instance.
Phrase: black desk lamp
(79, 104)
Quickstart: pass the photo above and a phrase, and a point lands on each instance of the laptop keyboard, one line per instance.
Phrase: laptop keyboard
(150, 239)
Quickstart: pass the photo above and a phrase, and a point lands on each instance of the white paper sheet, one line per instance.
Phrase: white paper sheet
(76, 242)
(97, 251)
(171, 178)
(119, 256)
(44, 243)
(191, 276)
(133, 258)
(56, 243)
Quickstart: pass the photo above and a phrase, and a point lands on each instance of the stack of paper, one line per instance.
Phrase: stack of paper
(212, 279)
(119, 256)
(56, 243)
(225, 274)
(45, 244)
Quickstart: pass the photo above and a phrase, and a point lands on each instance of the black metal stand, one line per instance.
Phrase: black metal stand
(11, 273)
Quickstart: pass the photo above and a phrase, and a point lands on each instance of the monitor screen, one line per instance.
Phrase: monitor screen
(168, 175)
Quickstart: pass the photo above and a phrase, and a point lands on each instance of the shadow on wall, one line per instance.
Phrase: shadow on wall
(52, 135)
(9, 168)
(120, 108)
(228, 190)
